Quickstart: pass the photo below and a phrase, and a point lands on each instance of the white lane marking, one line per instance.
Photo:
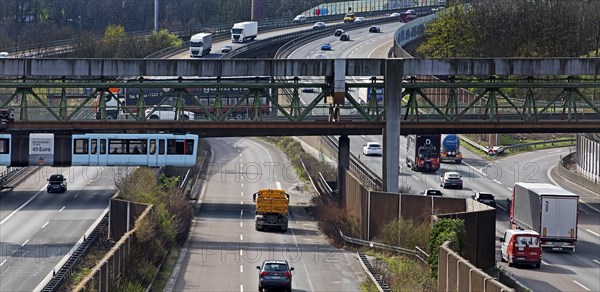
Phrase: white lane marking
(22, 206)
(242, 194)
(475, 169)
(3, 263)
(510, 189)
(584, 287)
(241, 213)
(45, 225)
(415, 177)
(242, 185)
(61, 209)
(241, 269)
(24, 243)
(241, 252)
(597, 261)
(584, 211)
(497, 181)
(241, 288)
(241, 224)
(502, 208)
(76, 195)
(278, 184)
(241, 237)
(304, 265)
(241, 202)
(592, 232)
(546, 263)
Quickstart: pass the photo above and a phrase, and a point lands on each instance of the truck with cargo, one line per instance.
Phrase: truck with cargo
(547, 209)
(243, 31)
(271, 209)
(423, 152)
(450, 148)
(200, 44)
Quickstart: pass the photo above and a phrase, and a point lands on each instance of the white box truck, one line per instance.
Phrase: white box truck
(243, 31)
(200, 44)
(549, 210)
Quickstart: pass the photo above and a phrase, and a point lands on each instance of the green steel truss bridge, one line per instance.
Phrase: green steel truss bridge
(251, 97)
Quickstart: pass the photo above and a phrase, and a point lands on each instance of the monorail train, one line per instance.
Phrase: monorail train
(99, 150)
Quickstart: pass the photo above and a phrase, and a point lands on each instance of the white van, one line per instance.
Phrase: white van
(3, 55)
(299, 19)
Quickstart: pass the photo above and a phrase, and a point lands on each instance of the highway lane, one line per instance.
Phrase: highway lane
(39, 229)
(560, 271)
(224, 244)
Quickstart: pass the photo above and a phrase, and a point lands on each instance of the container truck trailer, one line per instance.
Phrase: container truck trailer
(549, 210)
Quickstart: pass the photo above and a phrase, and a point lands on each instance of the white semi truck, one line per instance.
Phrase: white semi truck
(200, 44)
(243, 31)
(547, 209)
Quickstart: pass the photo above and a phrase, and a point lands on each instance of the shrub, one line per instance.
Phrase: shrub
(405, 233)
(445, 229)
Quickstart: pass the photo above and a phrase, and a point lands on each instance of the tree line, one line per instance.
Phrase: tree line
(512, 28)
(24, 23)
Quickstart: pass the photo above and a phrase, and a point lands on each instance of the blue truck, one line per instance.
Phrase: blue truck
(450, 148)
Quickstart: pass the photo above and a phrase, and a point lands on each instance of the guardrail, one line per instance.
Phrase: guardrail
(418, 253)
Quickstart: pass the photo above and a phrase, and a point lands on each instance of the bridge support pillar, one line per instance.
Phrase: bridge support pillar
(343, 165)
(391, 134)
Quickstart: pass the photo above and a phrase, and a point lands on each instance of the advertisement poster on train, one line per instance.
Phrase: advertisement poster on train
(41, 149)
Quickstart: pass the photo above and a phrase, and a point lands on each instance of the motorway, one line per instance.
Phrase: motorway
(38, 230)
(559, 271)
(224, 246)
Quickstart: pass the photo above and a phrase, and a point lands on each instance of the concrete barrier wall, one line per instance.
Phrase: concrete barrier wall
(588, 158)
(457, 274)
(575, 177)
(384, 208)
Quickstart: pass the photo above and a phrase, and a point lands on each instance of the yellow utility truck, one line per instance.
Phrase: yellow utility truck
(271, 209)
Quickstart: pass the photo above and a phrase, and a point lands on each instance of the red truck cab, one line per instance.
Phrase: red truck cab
(521, 247)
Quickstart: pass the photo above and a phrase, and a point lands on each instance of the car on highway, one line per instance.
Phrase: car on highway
(485, 198)
(349, 17)
(360, 19)
(57, 183)
(299, 19)
(275, 274)
(309, 90)
(320, 56)
(226, 49)
(395, 14)
(372, 148)
(451, 179)
(338, 32)
(374, 29)
(345, 37)
(325, 47)
(3, 55)
(318, 25)
(432, 192)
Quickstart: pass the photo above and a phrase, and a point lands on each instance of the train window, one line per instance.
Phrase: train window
(81, 146)
(137, 146)
(161, 146)
(4, 146)
(180, 147)
(94, 148)
(117, 146)
(189, 145)
(102, 146)
(152, 146)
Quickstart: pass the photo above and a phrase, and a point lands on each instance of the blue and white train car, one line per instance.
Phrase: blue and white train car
(134, 150)
(5, 144)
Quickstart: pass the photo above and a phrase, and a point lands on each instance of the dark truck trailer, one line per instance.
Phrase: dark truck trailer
(549, 210)
(423, 152)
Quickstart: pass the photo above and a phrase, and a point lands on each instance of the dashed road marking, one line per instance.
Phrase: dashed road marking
(584, 287)
(497, 181)
(592, 232)
(46, 224)
(61, 209)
